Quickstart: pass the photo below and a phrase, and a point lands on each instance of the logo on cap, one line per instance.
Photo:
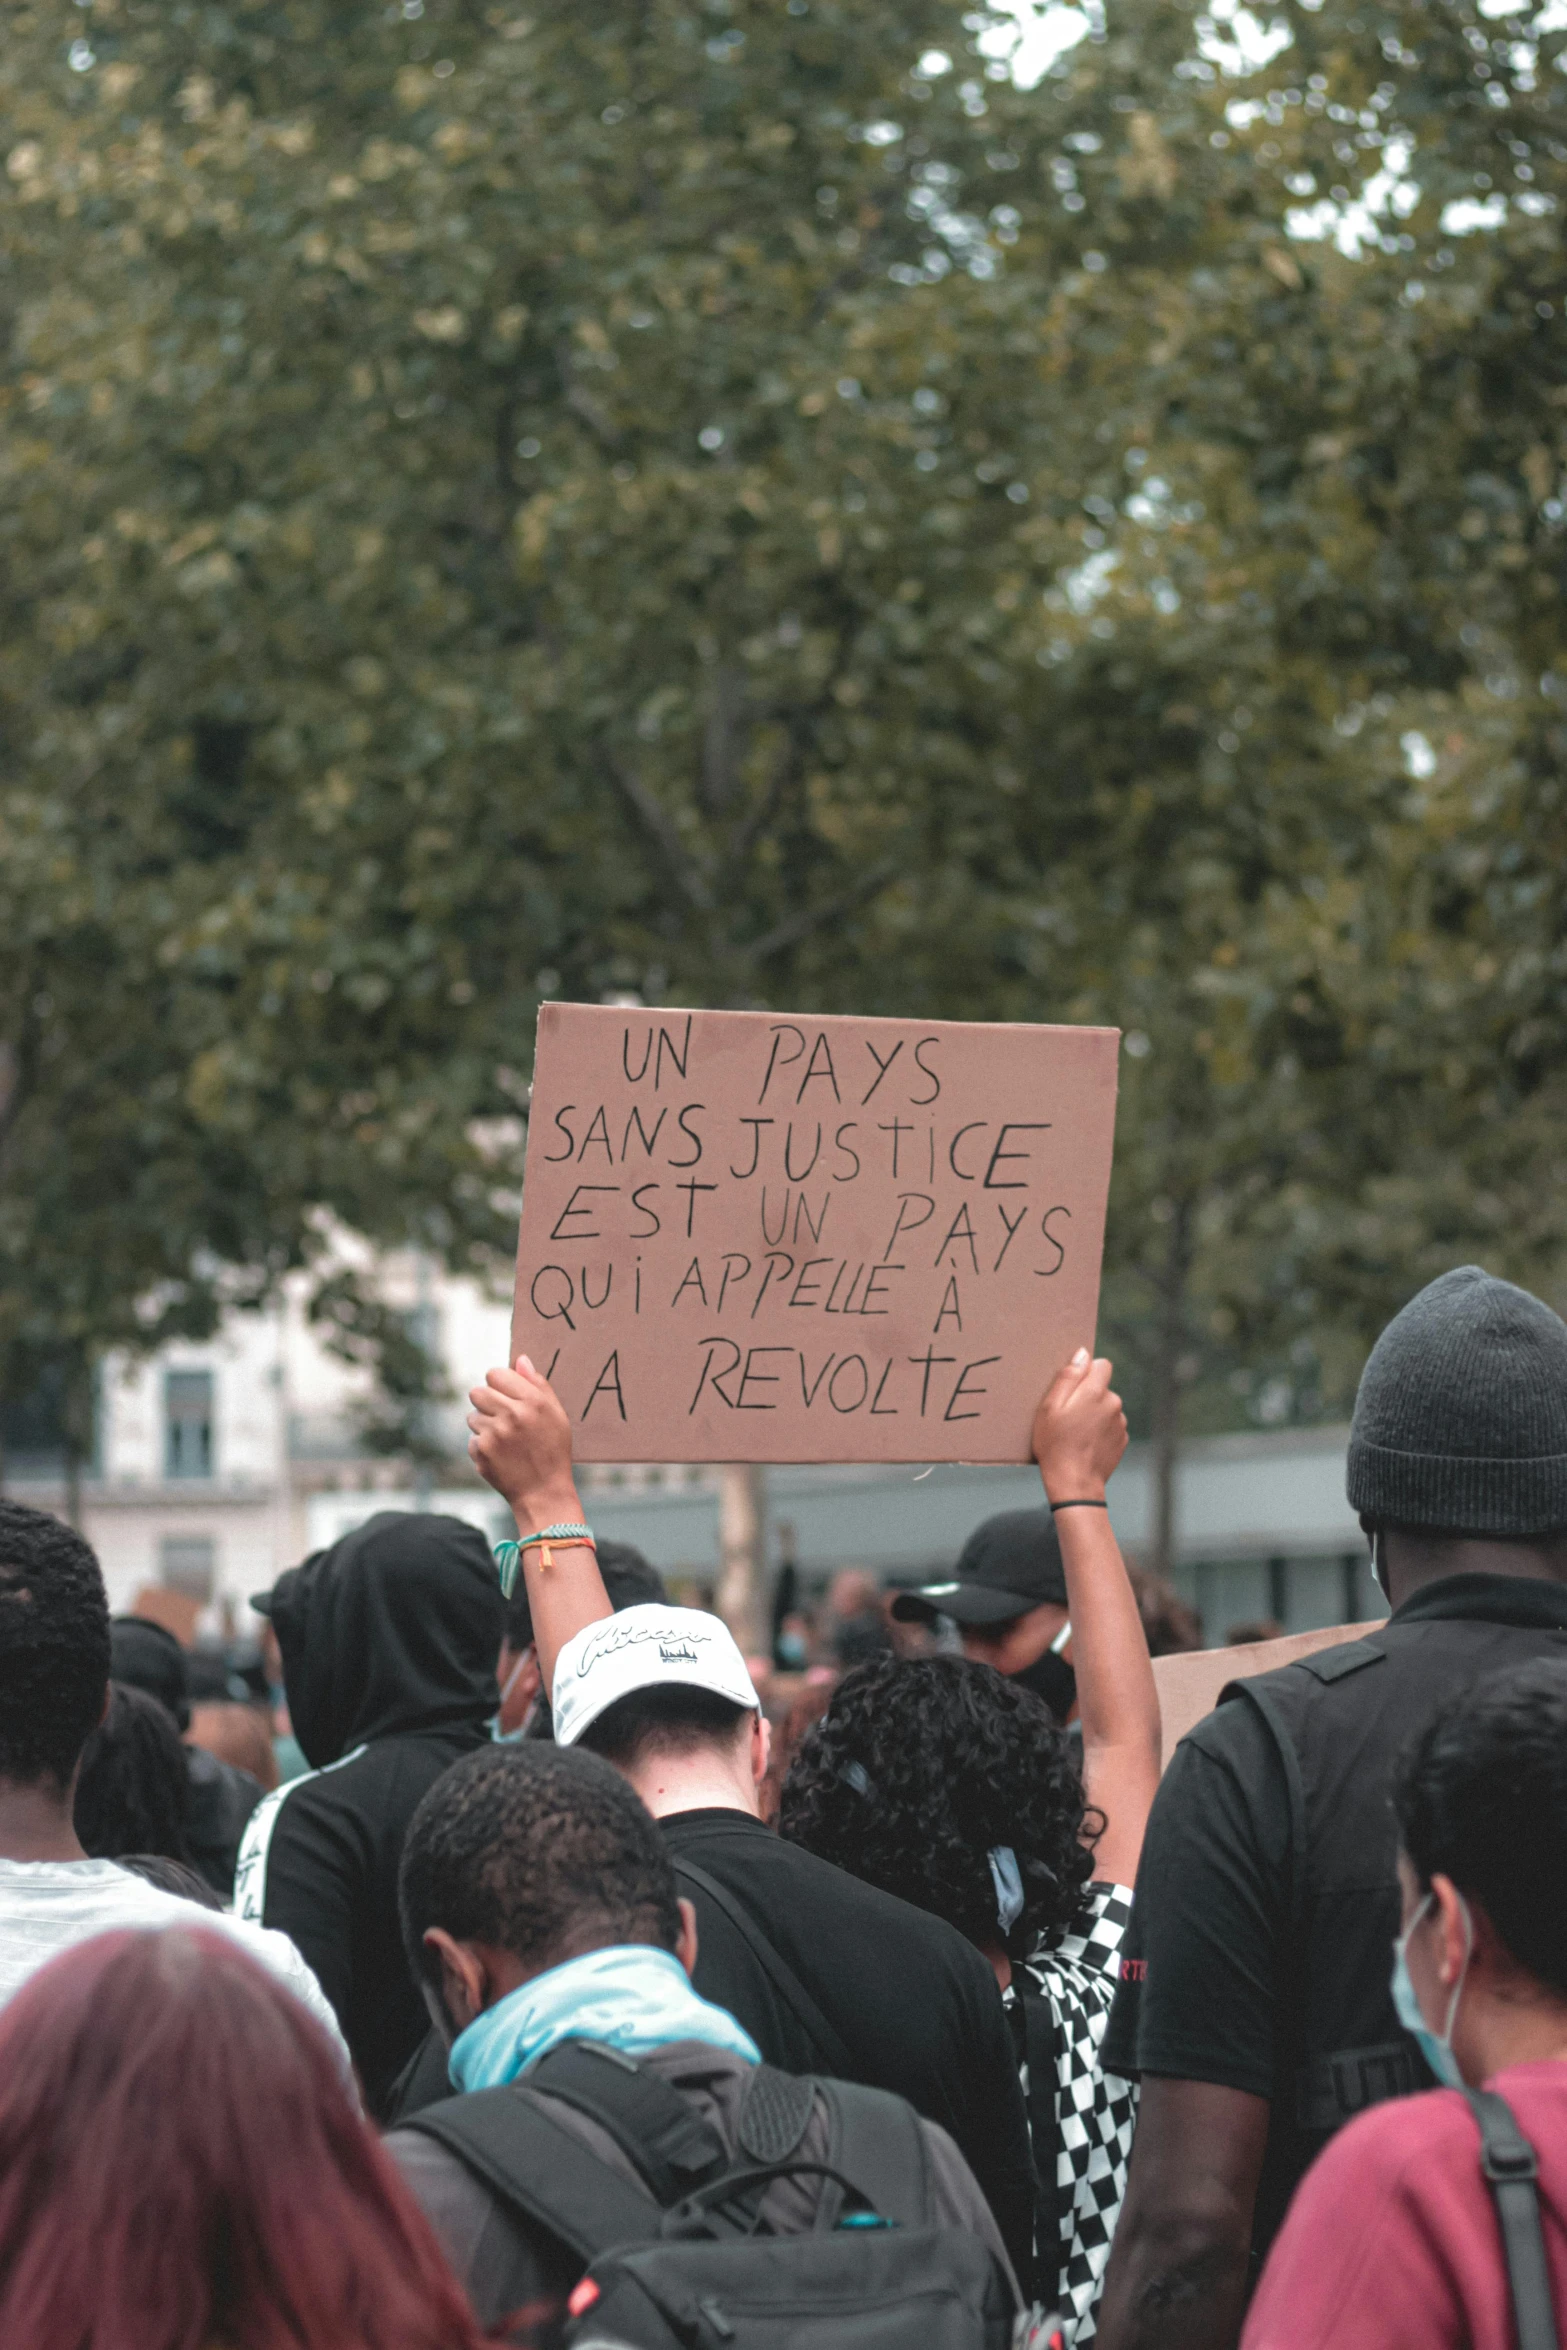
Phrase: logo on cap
(624, 1631)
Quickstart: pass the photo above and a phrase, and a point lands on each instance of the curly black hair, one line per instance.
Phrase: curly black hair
(541, 1850)
(920, 1768)
(54, 1645)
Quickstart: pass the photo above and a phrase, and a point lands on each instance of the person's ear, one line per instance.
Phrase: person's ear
(1453, 1930)
(761, 1745)
(465, 1990)
(685, 1948)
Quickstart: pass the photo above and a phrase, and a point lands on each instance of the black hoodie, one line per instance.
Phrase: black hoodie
(389, 1641)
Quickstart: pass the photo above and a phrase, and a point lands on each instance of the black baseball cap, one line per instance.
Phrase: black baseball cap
(1010, 1564)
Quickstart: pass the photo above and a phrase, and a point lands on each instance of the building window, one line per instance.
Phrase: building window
(188, 1563)
(187, 1423)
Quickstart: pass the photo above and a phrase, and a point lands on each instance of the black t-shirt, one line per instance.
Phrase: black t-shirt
(915, 2005)
(1207, 1967)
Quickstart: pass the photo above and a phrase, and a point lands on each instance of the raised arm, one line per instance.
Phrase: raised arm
(521, 1444)
(1079, 1437)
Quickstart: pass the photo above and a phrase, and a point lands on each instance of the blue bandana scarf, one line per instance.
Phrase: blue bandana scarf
(633, 1997)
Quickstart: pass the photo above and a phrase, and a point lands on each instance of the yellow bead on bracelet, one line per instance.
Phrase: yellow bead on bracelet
(569, 1537)
(508, 1555)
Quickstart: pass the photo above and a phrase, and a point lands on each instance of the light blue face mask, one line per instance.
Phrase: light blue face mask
(1435, 2047)
(1007, 1878)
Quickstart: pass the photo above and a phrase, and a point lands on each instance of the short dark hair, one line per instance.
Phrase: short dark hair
(1481, 1797)
(54, 1645)
(134, 1791)
(673, 1719)
(540, 1850)
(920, 1768)
(628, 1578)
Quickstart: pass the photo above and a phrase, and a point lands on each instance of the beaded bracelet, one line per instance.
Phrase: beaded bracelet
(568, 1535)
(508, 1555)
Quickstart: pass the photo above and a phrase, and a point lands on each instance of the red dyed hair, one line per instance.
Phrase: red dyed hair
(182, 2165)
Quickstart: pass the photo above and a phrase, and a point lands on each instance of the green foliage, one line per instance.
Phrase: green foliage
(745, 502)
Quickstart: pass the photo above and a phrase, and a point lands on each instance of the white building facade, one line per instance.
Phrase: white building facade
(210, 1456)
(222, 1462)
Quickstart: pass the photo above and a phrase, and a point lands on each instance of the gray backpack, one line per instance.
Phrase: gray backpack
(679, 2261)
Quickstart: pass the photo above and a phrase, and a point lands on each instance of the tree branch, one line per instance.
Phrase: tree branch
(582, 403)
(648, 812)
(798, 926)
(15, 1070)
(722, 738)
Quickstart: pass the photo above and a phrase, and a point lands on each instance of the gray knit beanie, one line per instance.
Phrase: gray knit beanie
(1461, 1419)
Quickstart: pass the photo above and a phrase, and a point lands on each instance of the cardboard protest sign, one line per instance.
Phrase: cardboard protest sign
(1190, 1683)
(763, 1239)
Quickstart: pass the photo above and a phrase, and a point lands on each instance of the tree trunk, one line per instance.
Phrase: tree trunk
(1169, 1378)
(741, 1598)
(73, 1481)
(77, 1419)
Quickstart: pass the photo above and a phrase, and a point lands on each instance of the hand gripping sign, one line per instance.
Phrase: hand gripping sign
(811, 1239)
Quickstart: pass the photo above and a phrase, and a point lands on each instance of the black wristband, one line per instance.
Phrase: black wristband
(1078, 1505)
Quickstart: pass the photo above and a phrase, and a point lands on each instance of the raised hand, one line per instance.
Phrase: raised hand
(521, 1444)
(1079, 1430)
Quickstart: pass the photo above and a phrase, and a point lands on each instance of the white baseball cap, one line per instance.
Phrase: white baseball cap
(648, 1647)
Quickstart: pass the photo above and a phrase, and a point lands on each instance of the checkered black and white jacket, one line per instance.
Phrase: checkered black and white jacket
(1096, 2111)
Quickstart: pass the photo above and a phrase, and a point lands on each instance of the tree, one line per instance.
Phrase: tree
(1340, 958)
(316, 757)
(751, 504)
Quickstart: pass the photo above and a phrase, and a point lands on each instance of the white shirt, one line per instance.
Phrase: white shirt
(47, 1906)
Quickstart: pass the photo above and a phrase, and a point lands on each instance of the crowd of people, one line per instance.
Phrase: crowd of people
(583, 1981)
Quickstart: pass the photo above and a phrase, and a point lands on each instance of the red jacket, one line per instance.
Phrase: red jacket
(1392, 2240)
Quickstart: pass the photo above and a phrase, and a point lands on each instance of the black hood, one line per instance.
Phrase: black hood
(396, 1627)
(148, 1658)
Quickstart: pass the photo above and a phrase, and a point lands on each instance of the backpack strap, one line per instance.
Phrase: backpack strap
(1041, 2034)
(1335, 1664)
(661, 2135)
(875, 2140)
(1261, 1700)
(540, 2168)
(828, 2042)
(1297, 2077)
(1511, 2171)
(775, 2114)
(1328, 2089)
